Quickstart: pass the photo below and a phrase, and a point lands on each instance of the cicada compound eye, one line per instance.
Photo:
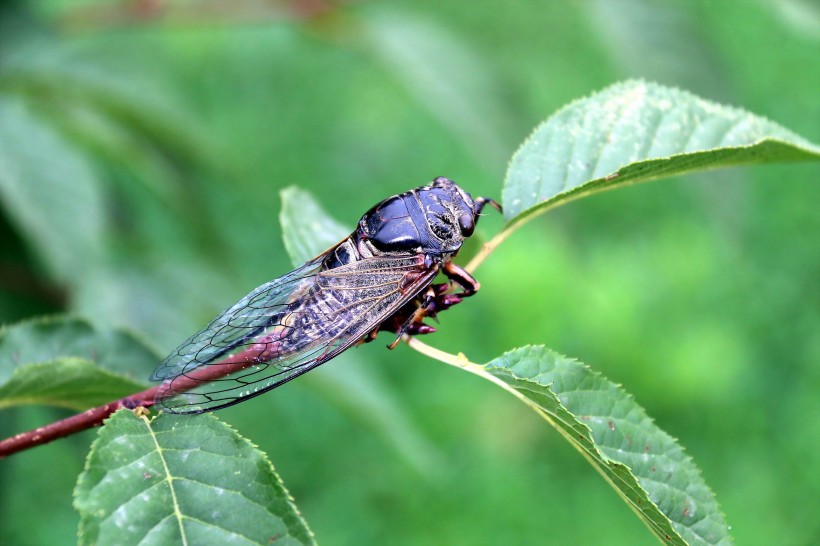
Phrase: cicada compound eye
(467, 224)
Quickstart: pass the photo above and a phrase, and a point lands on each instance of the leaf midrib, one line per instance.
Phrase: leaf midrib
(177, 512)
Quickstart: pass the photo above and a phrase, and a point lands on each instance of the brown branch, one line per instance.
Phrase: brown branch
(254, 354)
(76, 423)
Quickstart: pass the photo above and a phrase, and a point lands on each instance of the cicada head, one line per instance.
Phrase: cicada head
(433, 219)
(449, 212)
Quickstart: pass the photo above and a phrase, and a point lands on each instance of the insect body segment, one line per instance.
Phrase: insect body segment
(379, 278)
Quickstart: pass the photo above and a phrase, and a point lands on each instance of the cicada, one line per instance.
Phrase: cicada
(378, 278)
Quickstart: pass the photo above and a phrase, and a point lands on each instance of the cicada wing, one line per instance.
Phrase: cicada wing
(238, 324)
(285, 328)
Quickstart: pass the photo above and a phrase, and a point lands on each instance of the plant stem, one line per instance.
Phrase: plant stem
(95, 416)
(71, 425)
(488, 247)
(459, 361)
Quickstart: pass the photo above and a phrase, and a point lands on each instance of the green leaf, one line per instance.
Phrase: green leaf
(307, 229)
(646, 466)
(65, 362)
(636, 132)
(182, 480)
(68, 382)
(50, 193)
(69, 87)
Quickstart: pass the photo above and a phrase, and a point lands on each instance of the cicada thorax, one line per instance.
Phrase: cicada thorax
(432, 220)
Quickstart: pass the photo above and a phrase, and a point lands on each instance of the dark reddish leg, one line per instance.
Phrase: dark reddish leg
(410, 320)
(462, 278)
(414, 324)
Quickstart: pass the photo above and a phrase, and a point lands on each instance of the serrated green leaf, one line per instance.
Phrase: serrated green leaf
(646, 466)
(64, 361)
(49, 192)
(182, 480)
(636, 132)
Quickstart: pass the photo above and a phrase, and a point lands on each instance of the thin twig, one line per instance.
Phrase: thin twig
(459, 361)
(147, 398)
(76, 423)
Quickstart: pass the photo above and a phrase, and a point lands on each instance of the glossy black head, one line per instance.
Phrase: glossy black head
(433, 219)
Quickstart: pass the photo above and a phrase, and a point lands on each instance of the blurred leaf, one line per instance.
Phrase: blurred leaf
(657, 40)
(307, 230)
(160, 169)
(63, 361)
(50, 192)
(365, 396)
(163, 301)
(646, 466)
(453, 82)
(182, 480)
(800, 16)
(46, 339)
(635, 132)
(117, 116)
(101, 101)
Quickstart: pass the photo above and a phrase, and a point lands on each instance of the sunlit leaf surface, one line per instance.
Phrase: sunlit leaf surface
(635, 132)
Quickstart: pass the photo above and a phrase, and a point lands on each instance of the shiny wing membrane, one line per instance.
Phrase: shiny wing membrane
(285, 328)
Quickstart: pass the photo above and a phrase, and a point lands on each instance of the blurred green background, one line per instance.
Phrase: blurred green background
(150, 141)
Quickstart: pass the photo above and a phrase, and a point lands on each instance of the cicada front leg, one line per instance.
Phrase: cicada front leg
(460, 277)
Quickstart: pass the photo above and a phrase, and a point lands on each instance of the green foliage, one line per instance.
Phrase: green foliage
(307, 230)
(66, 382)
(646, 466)
(62, 212)
(694, 293)
(635, 132)
(66, 362)
(182, 480)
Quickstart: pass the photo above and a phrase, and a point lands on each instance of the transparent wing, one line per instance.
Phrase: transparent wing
(241, 322)
(285, 328)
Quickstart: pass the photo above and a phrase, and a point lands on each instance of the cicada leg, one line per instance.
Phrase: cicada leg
(414, 324)
(460, 277)
(436, 300)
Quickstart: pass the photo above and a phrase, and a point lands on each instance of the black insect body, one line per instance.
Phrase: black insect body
(378, 278)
